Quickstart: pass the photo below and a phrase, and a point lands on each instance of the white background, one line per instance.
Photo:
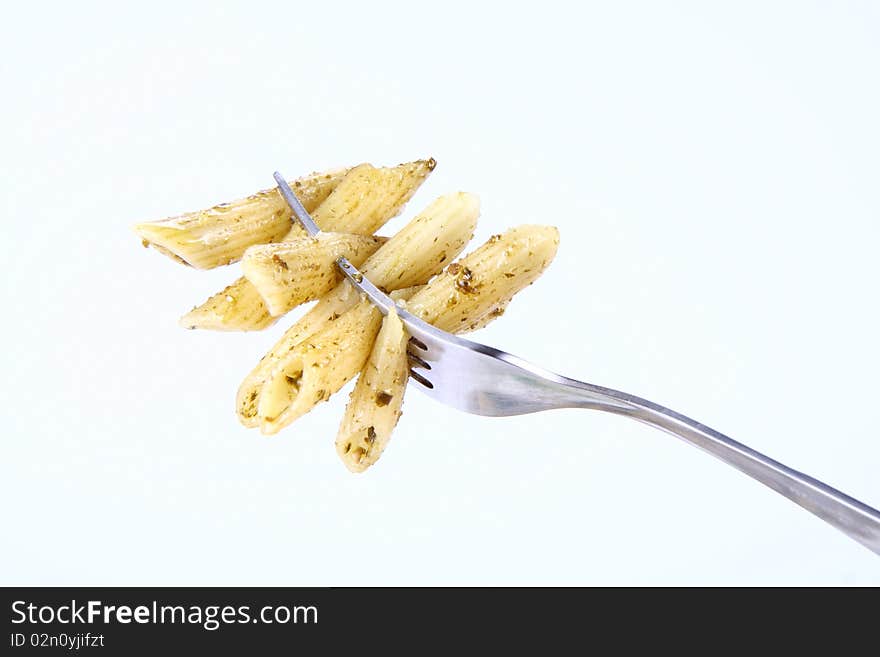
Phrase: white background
(714, 175)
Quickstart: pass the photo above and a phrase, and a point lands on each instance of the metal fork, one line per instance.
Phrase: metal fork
(482, 380)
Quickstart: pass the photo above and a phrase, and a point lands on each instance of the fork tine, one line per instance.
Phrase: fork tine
(418, 377)
(299, 211)
(416, 361)
(418, 343)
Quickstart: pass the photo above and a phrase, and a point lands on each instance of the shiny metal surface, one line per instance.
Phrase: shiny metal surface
(482, 380)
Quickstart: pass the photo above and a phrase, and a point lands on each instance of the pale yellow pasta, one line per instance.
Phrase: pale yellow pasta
(362, 202)
(237, 307)
(466, 292)
(423, 247)
(325, 312)
(374, 406)
(319, 366)
(367, 197)
(219, 235)
(411, 257)
(485, 279)
(344, 335)
(486, 318)
(296, 271)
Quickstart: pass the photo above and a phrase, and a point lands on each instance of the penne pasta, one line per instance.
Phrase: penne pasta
(411, 257)
(361, 203)
(237, 307)
(481, 283)
(344, 335)
(466, 292)
(219, 235)
(374, 406)
(303, 269)
(367, 197)
(324, 313)
(319, 366)
(425, 244)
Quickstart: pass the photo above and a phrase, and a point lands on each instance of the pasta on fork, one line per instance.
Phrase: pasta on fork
(343, 336)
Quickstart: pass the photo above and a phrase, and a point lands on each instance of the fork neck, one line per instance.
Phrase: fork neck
(854, 518)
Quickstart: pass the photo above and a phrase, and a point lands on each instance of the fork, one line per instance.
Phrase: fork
(482, 380)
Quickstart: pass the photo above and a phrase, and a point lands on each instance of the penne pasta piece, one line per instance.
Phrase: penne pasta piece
(324, 313)
(367, 197)
(361, 203)
(374, 406)
(219, 235)
(411, 257)
(319, 366)
(466, 292)
(237, 307)
(423, 247)
(303, 269)
(481, 282)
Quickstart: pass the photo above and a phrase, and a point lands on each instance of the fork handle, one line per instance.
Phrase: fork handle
(854, 518)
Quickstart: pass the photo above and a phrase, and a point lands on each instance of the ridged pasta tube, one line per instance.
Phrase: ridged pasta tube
(219, 235)
(300, 270)
(374, 406)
